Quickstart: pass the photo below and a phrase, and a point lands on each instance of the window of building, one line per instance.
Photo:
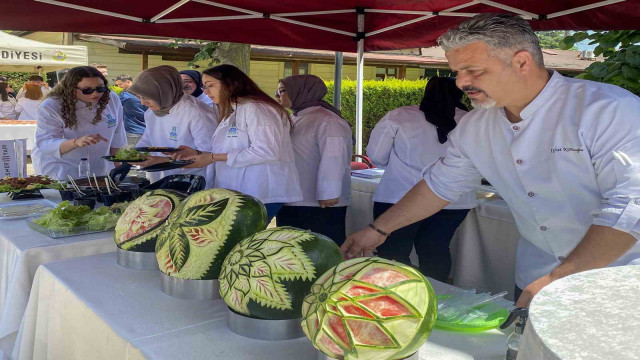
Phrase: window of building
(386, 72)
(295, 68)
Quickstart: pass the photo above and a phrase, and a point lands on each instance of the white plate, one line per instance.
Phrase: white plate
(25, 208)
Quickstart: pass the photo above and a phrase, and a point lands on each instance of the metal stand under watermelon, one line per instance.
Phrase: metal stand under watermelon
(137, 260)
(262, 329)
(190, 289)
(414, 356)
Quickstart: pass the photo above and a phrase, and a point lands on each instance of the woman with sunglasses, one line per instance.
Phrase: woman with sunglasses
(252, 150)
(79, 119)
(322, 146)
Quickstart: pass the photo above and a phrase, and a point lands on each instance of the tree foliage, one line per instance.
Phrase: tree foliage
(621, 51)
(552, 39)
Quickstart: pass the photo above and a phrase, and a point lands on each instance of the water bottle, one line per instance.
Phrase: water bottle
(513, 342)
(83, 168)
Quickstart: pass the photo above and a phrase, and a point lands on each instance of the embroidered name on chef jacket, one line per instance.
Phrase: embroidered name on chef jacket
(173, 134)
(558, 149)
(111, 121)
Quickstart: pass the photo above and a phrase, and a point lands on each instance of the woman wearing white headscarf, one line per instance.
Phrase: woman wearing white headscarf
(172, 119)
(322, 145)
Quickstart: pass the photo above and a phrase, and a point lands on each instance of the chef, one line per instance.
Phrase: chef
(322, 144)
(172, 119)
(563, 153)
(403, 143)
(252, 150)
(81, 118)
(192, 85)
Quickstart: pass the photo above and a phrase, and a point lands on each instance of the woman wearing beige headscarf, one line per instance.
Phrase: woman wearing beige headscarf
(172, 118)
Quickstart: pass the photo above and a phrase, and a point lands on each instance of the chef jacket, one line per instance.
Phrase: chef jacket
(50, 133)
(323, 147)
(260, 160)
(572, 162)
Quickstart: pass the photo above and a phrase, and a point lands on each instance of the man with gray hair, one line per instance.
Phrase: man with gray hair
(563, 153)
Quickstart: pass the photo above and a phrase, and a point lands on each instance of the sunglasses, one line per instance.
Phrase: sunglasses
(89, 91)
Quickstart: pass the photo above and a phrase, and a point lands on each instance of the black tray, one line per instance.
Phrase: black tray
(25, 194)
(186, 183)
(162, 149)
(113, 158)
(175, 164)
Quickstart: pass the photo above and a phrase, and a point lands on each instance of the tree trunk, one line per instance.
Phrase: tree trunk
(234, 54)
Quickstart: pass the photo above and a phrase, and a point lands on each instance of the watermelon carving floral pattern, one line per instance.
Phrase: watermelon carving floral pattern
(254, 269)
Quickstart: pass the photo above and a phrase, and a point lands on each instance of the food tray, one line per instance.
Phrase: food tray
(23, 209)
(55, 234)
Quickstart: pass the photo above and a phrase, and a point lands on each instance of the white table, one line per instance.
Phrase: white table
(19, 131)
(92, 308)
(22, 250)
(589, 315)
(483, 249)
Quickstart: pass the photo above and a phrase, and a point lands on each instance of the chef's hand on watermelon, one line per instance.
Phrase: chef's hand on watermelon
(361, 243)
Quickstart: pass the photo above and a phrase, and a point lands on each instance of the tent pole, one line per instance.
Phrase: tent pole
(359, 79)
(337, 81)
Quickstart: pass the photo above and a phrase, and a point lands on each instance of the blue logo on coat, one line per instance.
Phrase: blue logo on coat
(111, 121)
(173, 135)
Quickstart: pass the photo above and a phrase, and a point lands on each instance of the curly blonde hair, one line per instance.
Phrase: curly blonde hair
(66, 91)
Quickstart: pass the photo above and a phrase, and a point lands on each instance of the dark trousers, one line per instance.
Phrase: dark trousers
(516, 293)
(431, 238)
(329, 221)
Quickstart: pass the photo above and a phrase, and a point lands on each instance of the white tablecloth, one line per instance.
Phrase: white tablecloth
(589, 315)
(483, 249)
(22, 250)
(19, 131)
(92, 308)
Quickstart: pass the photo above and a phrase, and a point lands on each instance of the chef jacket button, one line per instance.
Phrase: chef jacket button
(519, 162)
(543, 228)
(530, 193)
(516, 128)
(561, 258)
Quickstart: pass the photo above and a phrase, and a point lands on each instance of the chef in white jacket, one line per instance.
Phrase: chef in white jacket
(173, 118)
(322, 146)
(403, 143)
(81, 118)
(563, 153)
(252, 150)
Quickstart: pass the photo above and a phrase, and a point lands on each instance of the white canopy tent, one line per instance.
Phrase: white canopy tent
(19, 54)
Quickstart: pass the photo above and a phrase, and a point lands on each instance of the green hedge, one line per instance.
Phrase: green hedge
(16, 79)
(379, 97)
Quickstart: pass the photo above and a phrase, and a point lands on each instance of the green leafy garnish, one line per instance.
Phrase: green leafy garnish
(130, 153)
(66, 216)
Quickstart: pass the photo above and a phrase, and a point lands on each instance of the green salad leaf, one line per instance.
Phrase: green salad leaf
(66, 216)
(130, 153)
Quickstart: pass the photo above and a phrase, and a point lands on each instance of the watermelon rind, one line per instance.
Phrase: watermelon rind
(268, 275)
(131, 220)
(331, 317)
(203, 229)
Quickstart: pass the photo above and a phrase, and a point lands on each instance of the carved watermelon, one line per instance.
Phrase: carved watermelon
(202, 231)
(369, 308)
(268, 275)
(141, 223)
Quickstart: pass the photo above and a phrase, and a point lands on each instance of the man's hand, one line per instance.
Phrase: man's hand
(152, 160)
(362, 243)
(530, 291)
(185, 153)
(328, 203)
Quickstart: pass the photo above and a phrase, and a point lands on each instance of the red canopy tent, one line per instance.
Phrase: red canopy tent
(340, 25)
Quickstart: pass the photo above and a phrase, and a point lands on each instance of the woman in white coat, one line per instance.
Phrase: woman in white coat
(192, 85)
(81, 118)
(173, 118)
(7, 102)
(404, 142)
(27, 105)
(322, 146)
(252, 150)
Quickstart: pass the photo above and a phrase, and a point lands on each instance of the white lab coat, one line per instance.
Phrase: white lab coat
(322, 146)
(27, 108)
(403, 142)
(8, 109)
(51, 132)
(260, 160)
(189, 123)
(572, 162)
